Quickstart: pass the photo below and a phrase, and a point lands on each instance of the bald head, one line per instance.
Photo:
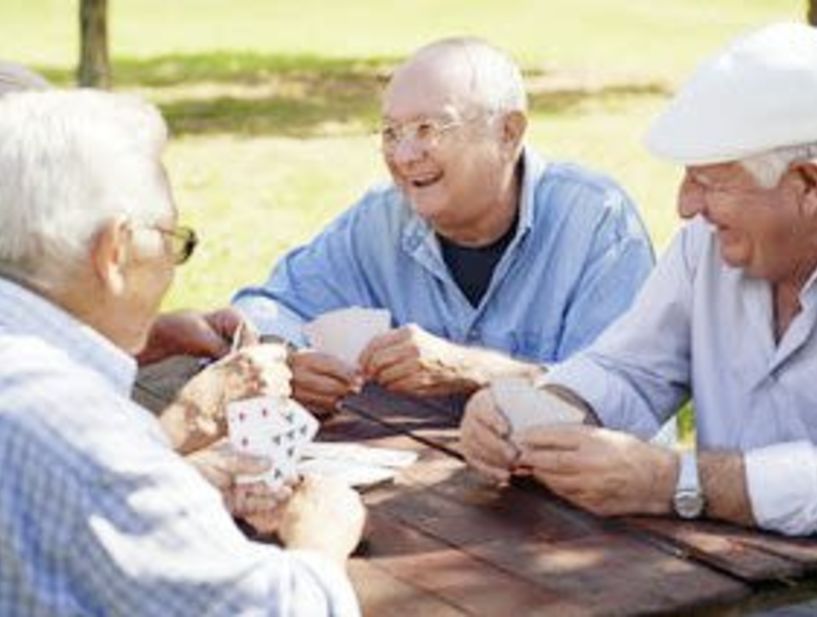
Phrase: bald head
(467, 73)
(15, 77)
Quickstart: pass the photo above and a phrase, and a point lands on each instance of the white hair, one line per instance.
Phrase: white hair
(71, 161)
(496, 81)
(768, 168)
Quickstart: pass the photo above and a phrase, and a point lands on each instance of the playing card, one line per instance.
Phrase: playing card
(359, 454)
(354, 474)
(346, 332)
(526, 406)
(274, 428)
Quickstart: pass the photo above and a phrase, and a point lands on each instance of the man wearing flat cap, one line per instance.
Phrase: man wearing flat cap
(728, 318)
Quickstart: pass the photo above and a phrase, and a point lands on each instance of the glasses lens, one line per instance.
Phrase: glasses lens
(184, 243)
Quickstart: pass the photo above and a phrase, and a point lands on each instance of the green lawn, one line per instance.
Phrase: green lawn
(273, 104)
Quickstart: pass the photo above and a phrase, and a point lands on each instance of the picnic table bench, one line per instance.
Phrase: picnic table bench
(439, 541)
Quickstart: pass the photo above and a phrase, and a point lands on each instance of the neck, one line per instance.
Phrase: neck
(786, 294)
(490, 222)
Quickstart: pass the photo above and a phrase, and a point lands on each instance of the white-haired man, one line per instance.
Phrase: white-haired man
(181, 332)
(728, 317)
(98, 514)
(490, 259)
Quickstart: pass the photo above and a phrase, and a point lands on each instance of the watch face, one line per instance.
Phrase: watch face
(688, 504)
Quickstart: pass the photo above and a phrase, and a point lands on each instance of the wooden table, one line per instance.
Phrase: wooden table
(441, 542)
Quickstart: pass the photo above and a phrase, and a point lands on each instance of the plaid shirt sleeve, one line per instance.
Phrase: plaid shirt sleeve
(99, 517)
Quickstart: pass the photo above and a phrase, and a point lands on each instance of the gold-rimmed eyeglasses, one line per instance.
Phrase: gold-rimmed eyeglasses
(183, 241)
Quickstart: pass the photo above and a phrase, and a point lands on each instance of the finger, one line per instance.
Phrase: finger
(323, 364)
(323, 405)
(558, 462)
(491, 418)
(320, 384)
(495, 475)
(565, 437)
(390, 348)
(405, 375)
(489, 448)
(380, 342)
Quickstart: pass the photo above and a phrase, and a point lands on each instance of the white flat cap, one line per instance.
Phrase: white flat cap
(759, 94)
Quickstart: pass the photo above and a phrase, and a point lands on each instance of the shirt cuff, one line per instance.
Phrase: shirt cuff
(782, 484)
(333, 580)
(269, 318)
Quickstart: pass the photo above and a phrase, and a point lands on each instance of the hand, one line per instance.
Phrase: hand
(413, 361)
(255, 502)
(484, 438)
(606, 472)
(319, 380)
(324, 515)
(195, 334)
(197, 416)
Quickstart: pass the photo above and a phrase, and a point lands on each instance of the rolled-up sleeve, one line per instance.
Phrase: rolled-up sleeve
(782, 484)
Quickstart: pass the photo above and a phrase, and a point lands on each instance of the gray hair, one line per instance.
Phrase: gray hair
(15, 77)
(71, 161)
(768, 168)
(496, 80)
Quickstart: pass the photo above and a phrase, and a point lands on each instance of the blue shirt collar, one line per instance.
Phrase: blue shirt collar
(25, 312)
(417, 230)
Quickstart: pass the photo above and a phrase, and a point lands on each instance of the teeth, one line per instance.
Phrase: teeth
(425, 181)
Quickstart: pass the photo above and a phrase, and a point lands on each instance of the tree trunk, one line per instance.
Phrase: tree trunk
(94, 67)
(812, 12)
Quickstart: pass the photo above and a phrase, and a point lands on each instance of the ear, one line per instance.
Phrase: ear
(514, 125)
(807, 173)
(110, 254)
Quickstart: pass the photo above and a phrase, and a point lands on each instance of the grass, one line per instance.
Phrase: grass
(272, 104)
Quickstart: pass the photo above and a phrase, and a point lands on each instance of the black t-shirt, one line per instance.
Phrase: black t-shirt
(473, 267)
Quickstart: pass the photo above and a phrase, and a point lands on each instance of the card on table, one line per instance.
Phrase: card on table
(346, 332)
(360, 454)
(526, 406)
(358, 465)
(272, 427)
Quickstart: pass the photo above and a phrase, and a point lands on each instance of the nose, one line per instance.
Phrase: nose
(407, 150)
(691, 199)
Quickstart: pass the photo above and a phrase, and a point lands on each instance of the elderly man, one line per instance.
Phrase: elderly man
(98, 515)
(479, 247)
(181, 332)
(727, 317)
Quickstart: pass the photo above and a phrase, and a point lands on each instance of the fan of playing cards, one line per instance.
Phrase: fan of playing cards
(346, 332)
(273, 427)
(282, 431)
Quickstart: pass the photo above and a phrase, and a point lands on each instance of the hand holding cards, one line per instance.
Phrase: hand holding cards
(525, 406)
(272, 427)
(346, 332)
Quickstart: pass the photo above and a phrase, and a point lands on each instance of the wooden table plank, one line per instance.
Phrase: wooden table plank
(751, 556)
(576, 562)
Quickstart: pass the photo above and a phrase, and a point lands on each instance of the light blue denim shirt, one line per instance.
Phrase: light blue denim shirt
(98, 516)
(703, 328)
(579, 255)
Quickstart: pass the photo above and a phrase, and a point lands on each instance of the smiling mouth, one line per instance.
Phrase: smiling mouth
(426, 181)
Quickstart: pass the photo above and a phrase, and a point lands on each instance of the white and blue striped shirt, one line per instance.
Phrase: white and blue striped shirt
(98, 515)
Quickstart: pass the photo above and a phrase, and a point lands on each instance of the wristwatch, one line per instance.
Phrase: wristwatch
(688, 500)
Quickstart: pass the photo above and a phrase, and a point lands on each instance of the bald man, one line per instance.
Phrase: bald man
(490, 259)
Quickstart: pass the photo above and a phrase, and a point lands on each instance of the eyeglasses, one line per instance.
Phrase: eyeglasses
(183, 241)
(426, 132)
